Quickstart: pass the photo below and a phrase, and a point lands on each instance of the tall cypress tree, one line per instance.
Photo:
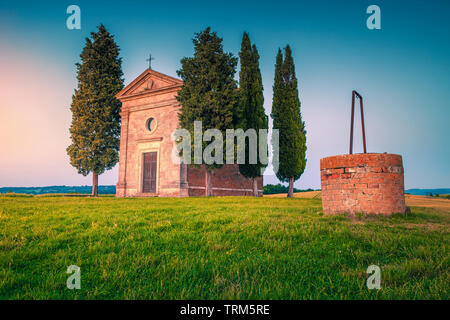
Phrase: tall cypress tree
(209, 91)
(287, 119)
(251, 102)
(95, 129)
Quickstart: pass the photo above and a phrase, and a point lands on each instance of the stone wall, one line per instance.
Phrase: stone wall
(370, 183)
(226, 181)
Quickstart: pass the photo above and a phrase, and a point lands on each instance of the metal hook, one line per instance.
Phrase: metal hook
(356, 94)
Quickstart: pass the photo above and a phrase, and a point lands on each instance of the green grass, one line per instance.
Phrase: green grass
(216, 248)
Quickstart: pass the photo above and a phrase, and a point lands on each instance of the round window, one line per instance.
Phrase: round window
(151, 124)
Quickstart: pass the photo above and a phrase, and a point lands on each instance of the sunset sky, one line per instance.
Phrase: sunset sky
(402, 71)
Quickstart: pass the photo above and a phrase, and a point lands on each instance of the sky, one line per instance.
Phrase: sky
(402, 71)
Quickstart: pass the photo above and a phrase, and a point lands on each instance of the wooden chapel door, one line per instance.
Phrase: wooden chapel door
(149, 172)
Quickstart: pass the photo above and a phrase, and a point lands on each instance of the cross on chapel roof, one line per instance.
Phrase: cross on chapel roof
(150, 58)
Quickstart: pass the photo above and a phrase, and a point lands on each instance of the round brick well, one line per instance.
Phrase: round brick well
(370, 183)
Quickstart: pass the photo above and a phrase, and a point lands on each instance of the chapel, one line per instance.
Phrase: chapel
(146, 169)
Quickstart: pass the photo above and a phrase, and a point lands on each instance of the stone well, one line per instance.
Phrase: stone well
(369, 183)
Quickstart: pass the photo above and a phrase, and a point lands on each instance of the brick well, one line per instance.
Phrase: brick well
(369, 183)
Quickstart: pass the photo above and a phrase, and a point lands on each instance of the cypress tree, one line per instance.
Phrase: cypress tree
(287, 119)
(95, 129)
(209, 92)
(251, 102)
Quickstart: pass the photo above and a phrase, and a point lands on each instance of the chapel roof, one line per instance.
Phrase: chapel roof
(149, 82)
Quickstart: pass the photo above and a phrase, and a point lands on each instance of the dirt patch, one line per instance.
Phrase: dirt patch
(426, 226)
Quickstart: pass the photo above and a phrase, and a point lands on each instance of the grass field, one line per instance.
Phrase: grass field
(217, 248)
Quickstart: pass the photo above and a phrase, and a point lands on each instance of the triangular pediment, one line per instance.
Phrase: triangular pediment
(148, 82)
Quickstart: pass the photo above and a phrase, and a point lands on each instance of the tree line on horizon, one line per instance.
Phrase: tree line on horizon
(111, 189)
(210, 94)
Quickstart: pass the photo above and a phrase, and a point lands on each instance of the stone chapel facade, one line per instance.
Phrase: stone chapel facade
(146, 169)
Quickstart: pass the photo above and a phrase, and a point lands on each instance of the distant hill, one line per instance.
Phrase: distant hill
(427, 192)
(59, 189)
